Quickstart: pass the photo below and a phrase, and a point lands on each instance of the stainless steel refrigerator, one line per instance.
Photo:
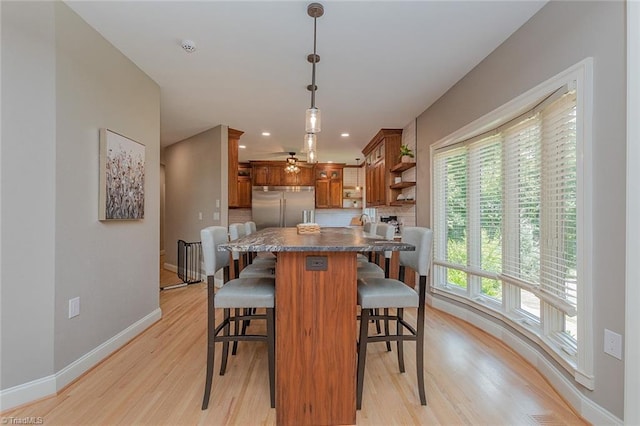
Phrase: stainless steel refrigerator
(280, 206)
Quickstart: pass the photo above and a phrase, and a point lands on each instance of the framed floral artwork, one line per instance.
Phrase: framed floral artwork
(121, 177)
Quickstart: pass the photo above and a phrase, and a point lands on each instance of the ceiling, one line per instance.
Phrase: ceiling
(382, 63)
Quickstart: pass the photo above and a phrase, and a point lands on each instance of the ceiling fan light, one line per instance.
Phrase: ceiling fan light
(312, 121)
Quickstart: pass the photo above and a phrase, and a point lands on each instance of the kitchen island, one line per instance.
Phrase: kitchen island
(316, 325)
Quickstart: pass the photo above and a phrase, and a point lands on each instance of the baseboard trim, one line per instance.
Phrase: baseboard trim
(584, 406)
(50, 385)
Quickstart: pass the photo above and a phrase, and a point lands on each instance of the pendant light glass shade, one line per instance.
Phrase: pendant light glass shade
(312, 121)
(311, 156)
(309, 142)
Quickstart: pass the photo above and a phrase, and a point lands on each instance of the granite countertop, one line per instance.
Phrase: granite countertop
(329, 239)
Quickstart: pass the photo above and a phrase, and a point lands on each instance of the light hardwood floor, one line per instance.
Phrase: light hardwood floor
(158, 379)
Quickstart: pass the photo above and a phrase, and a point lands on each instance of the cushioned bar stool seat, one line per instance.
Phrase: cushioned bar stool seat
(374, 293)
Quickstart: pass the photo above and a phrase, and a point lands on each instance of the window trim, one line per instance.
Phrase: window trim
(580, 77)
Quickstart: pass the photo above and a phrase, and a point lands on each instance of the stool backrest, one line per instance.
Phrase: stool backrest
(419, 260)
(250, 227)
(387, 232)
(236, 230)
(369, 227)
(210, 238)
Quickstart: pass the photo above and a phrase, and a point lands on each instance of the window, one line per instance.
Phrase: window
(506, 223)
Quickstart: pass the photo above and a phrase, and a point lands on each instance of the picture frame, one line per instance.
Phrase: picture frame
(122, 174)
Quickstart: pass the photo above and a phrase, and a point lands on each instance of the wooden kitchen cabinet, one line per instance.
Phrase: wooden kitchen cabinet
(244, 186)
(328, 186)
(268, 175)
(233, 138)
(305, 177)
(381, 154)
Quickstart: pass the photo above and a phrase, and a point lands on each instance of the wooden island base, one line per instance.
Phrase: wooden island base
(316, 338)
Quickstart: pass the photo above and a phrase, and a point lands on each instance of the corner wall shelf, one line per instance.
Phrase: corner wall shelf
(401, 167)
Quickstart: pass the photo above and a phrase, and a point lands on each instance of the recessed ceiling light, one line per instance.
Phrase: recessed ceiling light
(344, 135)
(242, 146)
(266, 134)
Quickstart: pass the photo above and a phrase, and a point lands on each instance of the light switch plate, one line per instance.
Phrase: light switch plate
(613, 344)
(74, 307)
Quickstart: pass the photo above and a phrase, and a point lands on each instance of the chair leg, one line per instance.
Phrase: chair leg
(420, 354)
(211, 326)
(386, 328)
(271, 344)
(225, 345)
(236, 331)
(378, 328)
(400, 343)
(362, 355)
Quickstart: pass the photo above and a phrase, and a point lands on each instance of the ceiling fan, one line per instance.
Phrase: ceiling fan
(292, 166)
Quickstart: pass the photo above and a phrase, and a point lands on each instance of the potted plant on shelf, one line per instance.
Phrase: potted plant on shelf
(406, 154)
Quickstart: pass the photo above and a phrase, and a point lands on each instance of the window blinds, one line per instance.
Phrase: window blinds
(510, 196)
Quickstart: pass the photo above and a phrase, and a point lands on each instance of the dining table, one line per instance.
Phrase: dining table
(316, 318)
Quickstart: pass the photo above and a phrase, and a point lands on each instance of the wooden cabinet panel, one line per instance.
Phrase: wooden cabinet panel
(316, 340)
(232, 149)
(335, 193)
(260, 175)
(328, 187)
(244, 191)
(306, 176)
(289, 179)
(266, 175)
(323, 193)
(381, 153)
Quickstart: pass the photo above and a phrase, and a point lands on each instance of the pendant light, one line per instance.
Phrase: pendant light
(358, 174)
(313, 116)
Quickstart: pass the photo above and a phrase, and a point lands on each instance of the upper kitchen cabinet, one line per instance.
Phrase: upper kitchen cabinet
(328, 186)
(233, 138)
(305, 177)
(271, 173)
(381, 154)
(267, 174)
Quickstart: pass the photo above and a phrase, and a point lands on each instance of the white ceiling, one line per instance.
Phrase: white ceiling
(382, 63)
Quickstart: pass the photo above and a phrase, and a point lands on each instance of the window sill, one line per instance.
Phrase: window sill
(525, 329)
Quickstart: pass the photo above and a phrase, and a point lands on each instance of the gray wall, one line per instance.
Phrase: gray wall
(62, 82)
(560, 35)
(195, 177)
(28, 192)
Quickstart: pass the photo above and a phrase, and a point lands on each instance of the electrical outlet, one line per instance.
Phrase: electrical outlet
(216, 215)
(74, 307)
(199, 215)
(613, 344)
(218, 204)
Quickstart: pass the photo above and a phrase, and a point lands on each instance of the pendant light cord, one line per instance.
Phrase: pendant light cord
(313, 72)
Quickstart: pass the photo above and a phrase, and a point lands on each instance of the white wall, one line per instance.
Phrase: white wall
(61, 83)
(560, 35)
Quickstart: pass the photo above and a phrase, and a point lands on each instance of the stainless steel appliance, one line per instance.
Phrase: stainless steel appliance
(281, 206)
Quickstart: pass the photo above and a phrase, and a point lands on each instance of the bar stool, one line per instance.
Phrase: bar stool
(368, 228)
(265, 261)
(372, 270)
(240, 293)
(377, 293)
